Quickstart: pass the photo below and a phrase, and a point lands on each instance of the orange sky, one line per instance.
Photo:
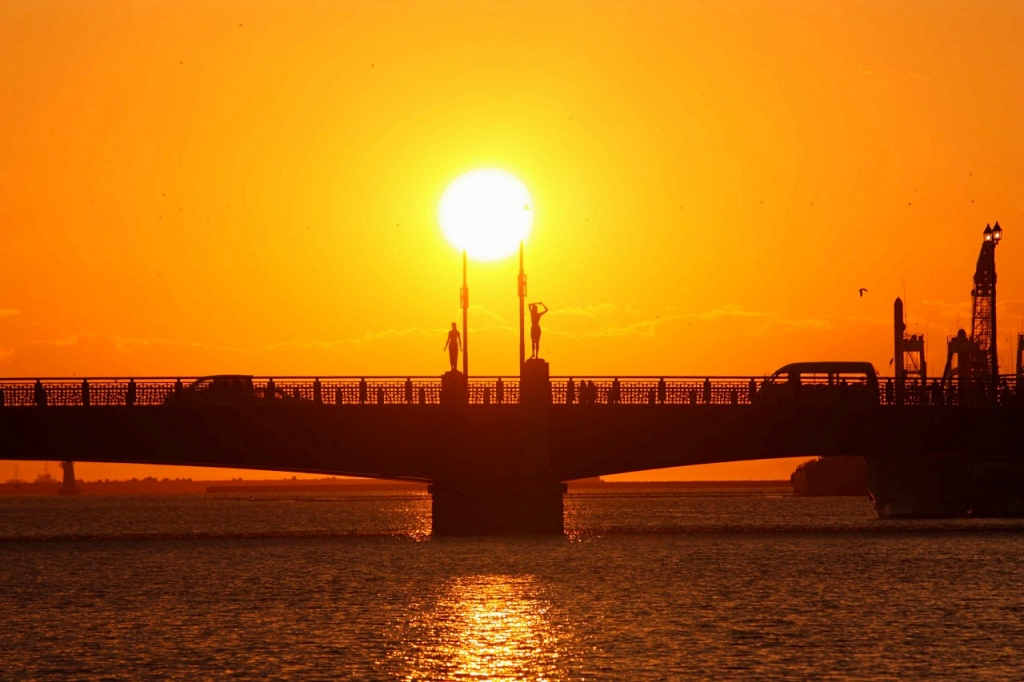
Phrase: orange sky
(208, 187)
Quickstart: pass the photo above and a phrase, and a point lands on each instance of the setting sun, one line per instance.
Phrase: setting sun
(483, 339)
(486, 212)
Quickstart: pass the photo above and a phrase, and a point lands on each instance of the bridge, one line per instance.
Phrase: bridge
(497, 452)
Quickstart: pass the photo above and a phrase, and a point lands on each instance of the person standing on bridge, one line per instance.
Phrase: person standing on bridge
(453, 345)
(535, 316)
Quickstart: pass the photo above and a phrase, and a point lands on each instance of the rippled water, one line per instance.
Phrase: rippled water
(642, 586)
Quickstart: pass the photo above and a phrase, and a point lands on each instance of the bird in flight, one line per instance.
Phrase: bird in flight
(861, 292)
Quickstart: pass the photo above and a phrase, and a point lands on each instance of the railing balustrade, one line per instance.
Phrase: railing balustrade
(576, 390)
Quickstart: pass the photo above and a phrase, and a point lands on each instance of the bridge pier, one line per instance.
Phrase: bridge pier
(69, 485)
(519, 496)
(497, 508)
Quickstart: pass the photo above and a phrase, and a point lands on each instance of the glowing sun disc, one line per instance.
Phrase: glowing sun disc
(486, 212)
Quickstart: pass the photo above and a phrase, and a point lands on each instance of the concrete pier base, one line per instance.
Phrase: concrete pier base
(920, 486)
(498, 508)
(69, 485)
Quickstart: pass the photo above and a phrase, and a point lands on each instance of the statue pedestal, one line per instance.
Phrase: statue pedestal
(535, 383)
(454, 388)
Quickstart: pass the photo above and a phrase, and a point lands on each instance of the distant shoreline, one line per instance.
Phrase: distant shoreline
(152, 486)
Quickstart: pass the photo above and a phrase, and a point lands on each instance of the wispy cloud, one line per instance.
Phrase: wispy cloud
(610, 320)
(9, 312)
(131, 345)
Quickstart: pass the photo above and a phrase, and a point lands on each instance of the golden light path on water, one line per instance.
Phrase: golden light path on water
(489, 627)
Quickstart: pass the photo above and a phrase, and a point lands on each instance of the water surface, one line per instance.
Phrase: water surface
(649, 585)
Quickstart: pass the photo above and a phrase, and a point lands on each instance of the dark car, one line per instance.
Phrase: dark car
(853, 383)
(222, 389)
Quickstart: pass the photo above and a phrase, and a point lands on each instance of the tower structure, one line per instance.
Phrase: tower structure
(976, 357)
(983, 308)
(69, 485)
(908, 355)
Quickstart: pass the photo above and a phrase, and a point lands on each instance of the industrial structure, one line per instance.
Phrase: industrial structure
(910, 365)
(981, 481)
(976, 357)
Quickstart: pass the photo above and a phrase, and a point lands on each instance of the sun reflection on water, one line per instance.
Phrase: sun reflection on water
(490, 627)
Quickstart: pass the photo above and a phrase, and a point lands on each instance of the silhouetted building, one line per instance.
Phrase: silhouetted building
(69, 486)
(831, 476)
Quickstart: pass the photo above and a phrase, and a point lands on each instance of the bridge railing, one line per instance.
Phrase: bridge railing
(577, 390)
(654, 390)
(98, 392)
(952, 393)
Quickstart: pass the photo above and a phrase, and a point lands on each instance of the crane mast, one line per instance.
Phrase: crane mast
(976, 357)
(983, 306)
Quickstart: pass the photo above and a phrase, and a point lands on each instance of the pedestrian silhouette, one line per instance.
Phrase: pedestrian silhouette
(453, 345)
(535, 316)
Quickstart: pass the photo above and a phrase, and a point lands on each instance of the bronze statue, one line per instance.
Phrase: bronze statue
(535, 316)
(453, 345)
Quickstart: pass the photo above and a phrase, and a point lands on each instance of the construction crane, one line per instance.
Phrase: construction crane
(975, 357)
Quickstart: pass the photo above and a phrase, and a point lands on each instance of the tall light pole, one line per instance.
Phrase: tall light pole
(522, 311)
(464, 302)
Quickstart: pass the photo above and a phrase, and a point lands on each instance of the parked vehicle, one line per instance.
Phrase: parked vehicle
(223, 389)
(818, 383)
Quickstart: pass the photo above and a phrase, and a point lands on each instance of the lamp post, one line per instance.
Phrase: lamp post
(522, 311)
(464, 302)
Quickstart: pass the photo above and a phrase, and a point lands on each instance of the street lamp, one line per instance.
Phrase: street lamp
(522, 311)
(464, 303)
(487, 214)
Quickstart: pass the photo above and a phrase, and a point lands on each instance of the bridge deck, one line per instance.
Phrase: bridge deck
(437, 442)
